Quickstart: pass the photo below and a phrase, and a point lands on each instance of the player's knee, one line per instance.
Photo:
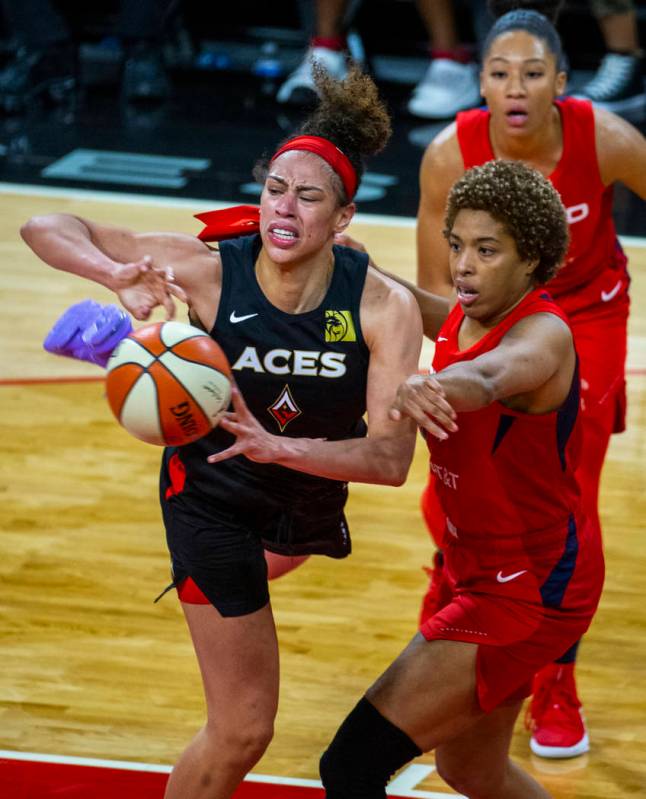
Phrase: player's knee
(468, 779)
(246, 742)
(253, 741)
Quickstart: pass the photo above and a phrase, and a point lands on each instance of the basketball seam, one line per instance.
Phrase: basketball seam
(168, 348)
(132, 388)
(185, 387)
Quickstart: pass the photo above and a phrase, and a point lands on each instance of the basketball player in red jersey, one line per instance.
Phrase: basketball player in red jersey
(315, 339)
(524, 564)
(583, 151)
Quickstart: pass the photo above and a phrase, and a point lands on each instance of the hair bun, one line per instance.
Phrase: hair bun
(548, 8)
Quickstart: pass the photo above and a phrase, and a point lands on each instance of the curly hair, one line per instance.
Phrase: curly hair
(524, 202)
(351, 115)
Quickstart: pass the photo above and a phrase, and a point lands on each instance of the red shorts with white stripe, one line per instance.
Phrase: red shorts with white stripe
(523, 601)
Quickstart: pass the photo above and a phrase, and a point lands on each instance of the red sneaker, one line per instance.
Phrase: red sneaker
(438, 594)
(554, 715)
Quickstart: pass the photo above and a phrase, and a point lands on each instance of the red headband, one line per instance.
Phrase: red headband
(330, 153)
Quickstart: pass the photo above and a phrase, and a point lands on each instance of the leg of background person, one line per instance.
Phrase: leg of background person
(476, 762)
(451, 80)
(619, 31)
(618, 84)
(329, 16)
(327, 47)
(555, 716)
(277, 565)
(439, 20)
(238, 659)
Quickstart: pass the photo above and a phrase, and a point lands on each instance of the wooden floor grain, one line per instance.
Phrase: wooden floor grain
(91, 667)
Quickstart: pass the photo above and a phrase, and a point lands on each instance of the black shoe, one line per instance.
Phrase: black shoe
(144, 75)
(32, 75)
(618, 85)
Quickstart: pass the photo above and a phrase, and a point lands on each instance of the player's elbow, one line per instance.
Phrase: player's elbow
(397, 471)
(399, 478)
(491, 389)
(36, 227)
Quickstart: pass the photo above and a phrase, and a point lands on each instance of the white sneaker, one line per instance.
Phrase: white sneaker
(618, 86)
(299, 87)
(446, 88)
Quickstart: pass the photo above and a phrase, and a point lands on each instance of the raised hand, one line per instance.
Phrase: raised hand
(422, 398)
(252, 440)
(141, 287)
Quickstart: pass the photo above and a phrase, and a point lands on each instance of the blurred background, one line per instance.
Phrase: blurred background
(179, 98)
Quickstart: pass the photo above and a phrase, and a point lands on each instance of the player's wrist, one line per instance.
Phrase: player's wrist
(287, 451)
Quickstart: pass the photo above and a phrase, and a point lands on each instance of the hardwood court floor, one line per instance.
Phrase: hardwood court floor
(91, 667)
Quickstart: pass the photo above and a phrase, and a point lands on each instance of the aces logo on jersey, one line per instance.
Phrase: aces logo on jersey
(284, 409)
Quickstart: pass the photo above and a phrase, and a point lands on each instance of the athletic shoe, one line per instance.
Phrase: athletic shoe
(438, 594)
(554, 715)
(618, 85)
(299, 88)
(447, 87)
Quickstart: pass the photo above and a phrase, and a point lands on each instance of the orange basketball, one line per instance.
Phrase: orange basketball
(168, 383)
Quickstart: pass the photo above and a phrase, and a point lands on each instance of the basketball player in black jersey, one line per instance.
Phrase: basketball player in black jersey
(315, 339)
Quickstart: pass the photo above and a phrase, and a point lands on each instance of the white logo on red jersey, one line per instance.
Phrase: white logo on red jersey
(509, 577)
(577, 213)
(447, 478)
(606, 296)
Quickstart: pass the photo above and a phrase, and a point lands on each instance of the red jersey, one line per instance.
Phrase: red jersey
(507, 476)
(593, 239)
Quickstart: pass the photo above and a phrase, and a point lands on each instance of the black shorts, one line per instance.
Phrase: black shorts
(221, 546)
(224, 558)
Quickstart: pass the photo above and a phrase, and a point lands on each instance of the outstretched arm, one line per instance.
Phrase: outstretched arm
(530, 371)
(125, 262)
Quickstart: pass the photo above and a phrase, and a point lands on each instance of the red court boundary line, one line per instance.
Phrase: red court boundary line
(29, 775)
(36, 381)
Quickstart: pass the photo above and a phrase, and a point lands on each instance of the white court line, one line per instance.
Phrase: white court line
(199, 205)
(401, 786)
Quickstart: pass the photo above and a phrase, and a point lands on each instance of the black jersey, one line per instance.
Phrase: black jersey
(302, 375)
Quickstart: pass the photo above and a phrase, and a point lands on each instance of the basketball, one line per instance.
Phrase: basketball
(168, 383)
